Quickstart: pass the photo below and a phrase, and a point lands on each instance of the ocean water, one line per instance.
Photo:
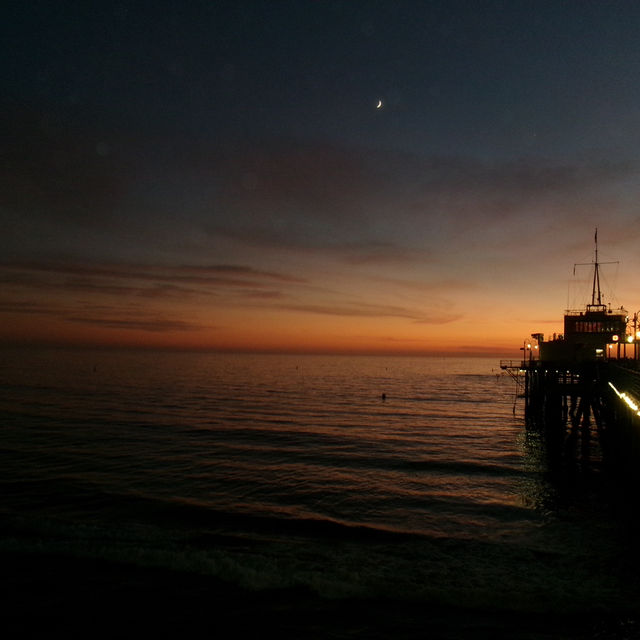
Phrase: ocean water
(278, 472)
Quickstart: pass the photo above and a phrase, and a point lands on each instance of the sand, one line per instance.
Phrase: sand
(91, 597)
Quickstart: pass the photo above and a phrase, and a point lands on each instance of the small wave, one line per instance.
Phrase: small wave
(461, 468)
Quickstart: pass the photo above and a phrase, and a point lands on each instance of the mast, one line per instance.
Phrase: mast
(596, 294)
(596, 275)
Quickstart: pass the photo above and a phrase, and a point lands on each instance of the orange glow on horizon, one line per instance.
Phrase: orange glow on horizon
(278, 308)
(268, 334)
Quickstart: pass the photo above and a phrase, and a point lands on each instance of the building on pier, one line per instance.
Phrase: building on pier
(593, 333)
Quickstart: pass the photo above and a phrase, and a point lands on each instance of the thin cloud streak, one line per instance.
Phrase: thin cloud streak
(427, 287)
(159, 325)
(160, 281)
(234, 290)
(375, 311)
(186, 273)
(28, 307)
(133, 319)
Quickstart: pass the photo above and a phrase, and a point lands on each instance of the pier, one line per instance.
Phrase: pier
(585, 412)
(581, 389)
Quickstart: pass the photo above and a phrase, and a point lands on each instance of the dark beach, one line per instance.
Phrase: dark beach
(44, 593)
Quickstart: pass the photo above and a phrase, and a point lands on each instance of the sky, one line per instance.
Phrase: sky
(219, 175)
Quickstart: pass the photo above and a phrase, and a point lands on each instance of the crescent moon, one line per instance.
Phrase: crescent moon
(379, 105)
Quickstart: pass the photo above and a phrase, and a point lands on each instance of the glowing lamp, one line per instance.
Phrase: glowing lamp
(629, 338)
(615, 338)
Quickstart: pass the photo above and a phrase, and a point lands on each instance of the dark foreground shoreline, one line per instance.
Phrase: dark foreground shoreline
(93, 597)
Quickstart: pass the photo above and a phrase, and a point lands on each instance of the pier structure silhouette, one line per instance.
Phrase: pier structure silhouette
(581, 389)
(584, 411)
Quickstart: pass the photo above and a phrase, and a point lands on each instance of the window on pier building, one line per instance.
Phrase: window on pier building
(595, 326)
(591, 327)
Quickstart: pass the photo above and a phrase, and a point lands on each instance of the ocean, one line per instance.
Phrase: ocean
(314, 492)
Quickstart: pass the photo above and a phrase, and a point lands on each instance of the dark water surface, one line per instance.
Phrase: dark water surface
(292, 475)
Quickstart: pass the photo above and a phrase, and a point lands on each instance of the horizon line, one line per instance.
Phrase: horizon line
(73, 346)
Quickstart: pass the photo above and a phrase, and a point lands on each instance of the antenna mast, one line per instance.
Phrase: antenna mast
(596, 294)
(596, 275)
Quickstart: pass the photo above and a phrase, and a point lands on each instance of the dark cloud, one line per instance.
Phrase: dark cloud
(157, 279)
(127, 318)
(232, 284)
(207, 271)
(27, 307)
(353, 199)
(84, 193)
(151, 291)
(110, 317)
(375, 311)
(378, 253)
(426, 286)
(139, 324)
(262, 295)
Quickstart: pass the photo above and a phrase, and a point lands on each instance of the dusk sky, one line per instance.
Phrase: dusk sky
(219, 175)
